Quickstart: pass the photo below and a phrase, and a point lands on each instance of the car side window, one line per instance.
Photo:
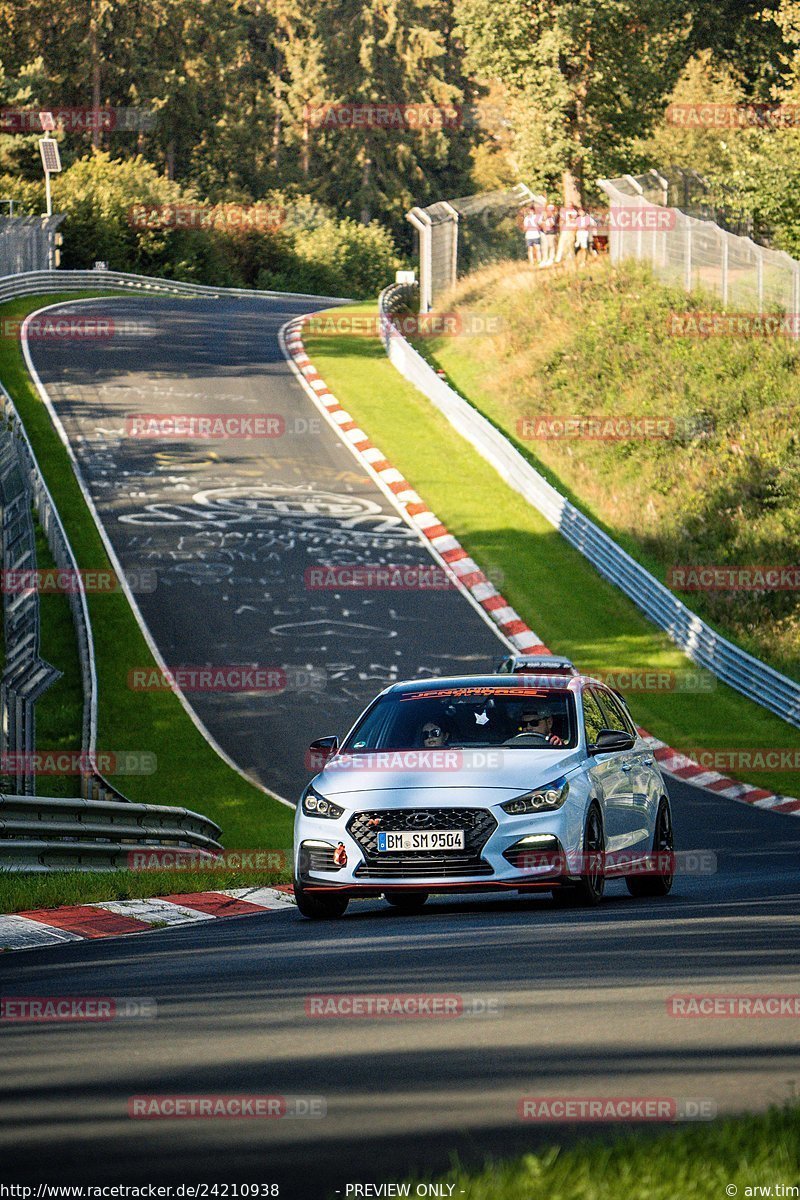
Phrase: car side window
(612, 716)
(615, 714)
(593, 719)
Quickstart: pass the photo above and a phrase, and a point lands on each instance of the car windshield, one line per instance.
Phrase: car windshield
(469, 716)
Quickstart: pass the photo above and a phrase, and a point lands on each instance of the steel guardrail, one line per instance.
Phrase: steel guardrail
(39, 833)
(65, 560)
(70, 840)
(702, 644)
(95, 785)
(41, 283)
(25, 674)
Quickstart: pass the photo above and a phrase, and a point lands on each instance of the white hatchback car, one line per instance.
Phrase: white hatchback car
(483, 782)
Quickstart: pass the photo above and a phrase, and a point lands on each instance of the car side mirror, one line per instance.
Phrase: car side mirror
(611, 740)
(321, 750)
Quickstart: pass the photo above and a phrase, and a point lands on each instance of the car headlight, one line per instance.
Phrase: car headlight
(315, 805)
(543, 799)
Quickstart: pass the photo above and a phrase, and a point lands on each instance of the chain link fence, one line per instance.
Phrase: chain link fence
(28, 243)
(25, 675)
(694, 252)
(461, 235)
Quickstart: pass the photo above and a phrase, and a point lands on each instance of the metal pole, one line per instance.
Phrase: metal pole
(47, 191)
(422, 223)
(454, 256)
(724, 269)
(614, 248)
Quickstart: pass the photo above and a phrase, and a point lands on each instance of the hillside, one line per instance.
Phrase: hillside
(719, 481)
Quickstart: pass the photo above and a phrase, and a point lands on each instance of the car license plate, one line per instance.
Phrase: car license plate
(429, 839)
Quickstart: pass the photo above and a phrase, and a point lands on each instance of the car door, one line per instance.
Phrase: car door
(611, 781)
(636, 764)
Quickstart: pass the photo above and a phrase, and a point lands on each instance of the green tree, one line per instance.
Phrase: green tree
(585, 77)
(400, 52)
(679, 139)
(743, 37)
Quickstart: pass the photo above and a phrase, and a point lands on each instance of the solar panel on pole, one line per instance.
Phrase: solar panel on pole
(51, 159)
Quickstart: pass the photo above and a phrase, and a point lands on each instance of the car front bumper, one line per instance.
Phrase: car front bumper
(503, 859)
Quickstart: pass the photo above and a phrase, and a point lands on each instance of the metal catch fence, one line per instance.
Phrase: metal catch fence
(696, 253)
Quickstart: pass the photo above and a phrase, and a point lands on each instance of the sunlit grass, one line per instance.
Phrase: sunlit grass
(23, 891)
(550, 584)
(704, 1161)
(723, 489)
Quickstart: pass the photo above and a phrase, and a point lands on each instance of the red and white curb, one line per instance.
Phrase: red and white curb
(470, 576)
(466, 571)
(680, 766)
(113, 918)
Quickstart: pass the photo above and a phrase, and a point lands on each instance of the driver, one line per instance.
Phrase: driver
(539, 720)
(434, 735)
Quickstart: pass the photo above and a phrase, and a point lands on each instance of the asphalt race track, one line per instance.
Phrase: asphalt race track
(230, 527)
(580, 997)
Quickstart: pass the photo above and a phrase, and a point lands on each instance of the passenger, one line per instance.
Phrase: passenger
(434, 736)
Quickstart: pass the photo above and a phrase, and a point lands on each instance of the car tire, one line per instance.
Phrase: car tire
(663, 843)
(318, 906)
(589, 891)
(406, 902)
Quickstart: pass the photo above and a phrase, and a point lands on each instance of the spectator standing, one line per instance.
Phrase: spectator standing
(568, 226)
(549, 228)
(533, 236)
(586, 225)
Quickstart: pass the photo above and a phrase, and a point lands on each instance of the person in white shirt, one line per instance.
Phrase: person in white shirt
(583, 233)
(533, 236)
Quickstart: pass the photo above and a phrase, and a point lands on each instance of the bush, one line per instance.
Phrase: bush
(311, 252)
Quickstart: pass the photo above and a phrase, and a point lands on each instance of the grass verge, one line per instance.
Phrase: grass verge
(550, 584)
(719, 481)
(20, 892)
(709, 1160)
(189, 773)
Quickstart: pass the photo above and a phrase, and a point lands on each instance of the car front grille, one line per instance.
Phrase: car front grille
(478, 825)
